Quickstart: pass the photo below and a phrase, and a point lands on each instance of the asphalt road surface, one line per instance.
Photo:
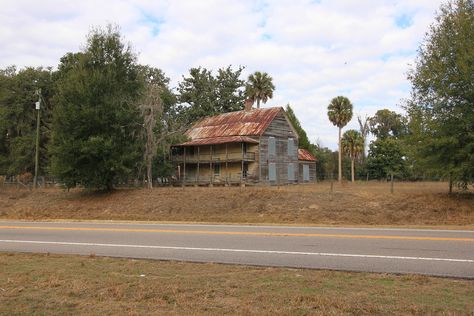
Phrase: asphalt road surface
(433, 252)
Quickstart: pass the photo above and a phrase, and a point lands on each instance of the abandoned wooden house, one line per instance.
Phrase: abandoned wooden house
(249, 146)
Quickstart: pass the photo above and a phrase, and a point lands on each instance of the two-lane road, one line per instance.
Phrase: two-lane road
(434, 252)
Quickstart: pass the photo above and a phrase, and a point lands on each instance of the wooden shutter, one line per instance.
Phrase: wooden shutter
(271, 171)
(291, 172)
(271, 146)
(291, 147)
(305, 172)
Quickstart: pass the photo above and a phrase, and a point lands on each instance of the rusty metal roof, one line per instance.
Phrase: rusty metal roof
(305, 155)
(219, 140)
(240, 123)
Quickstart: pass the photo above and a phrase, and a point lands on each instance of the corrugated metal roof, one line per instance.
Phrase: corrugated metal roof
(305, 155)
(240, 123)
(219, 140)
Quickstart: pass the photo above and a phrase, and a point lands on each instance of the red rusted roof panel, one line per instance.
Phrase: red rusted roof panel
(240, 123)
(219, 140)
(305, 155)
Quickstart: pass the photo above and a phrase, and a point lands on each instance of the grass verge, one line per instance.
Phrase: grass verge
(60, 285)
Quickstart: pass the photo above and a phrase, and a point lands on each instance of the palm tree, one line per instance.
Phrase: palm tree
(340, 113)
(353, 146)
(259, 87)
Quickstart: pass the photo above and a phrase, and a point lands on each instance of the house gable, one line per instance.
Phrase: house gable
(280, 126)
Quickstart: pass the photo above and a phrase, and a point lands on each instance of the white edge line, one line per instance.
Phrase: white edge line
(245, 226)
(325, 254)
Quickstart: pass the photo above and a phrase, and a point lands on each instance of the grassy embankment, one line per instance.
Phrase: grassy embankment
(415, 204)
(65, 285)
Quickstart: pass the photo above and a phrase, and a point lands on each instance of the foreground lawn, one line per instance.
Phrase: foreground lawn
(60, 285)
(414, 204)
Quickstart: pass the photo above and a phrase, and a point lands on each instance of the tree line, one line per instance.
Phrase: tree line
(107, 119)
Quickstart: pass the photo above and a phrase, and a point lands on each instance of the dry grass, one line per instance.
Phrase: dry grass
(350, 204)
(67, 285)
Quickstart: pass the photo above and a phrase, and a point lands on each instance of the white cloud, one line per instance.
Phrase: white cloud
(314, 50)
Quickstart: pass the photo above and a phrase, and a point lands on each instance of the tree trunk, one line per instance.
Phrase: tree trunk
(352, 169)
(150, 108)
(148, 173)
(339, 178)
(258, 103)
(363, 150)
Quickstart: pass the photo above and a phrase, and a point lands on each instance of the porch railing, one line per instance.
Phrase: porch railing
(231, 156)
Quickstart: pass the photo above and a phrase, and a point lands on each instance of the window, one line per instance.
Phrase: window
(291, 172)
(217, 169)
(271, 146)
(272, 171)
(291, 147)
(305, 172)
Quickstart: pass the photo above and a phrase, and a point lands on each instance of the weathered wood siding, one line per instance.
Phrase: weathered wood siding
(312, 171)
(281, 130)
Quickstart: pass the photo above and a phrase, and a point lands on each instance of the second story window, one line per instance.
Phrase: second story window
(271, 146)
(291, 147)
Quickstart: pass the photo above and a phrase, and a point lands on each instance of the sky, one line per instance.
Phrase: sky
(313, 50)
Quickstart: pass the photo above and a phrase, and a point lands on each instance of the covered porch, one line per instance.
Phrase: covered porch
(219, 161)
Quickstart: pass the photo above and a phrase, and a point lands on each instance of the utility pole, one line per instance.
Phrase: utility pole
(38, 106)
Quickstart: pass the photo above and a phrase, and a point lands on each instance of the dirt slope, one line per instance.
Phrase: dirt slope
(349, 204)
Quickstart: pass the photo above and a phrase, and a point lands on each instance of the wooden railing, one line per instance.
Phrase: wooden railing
(231, 156)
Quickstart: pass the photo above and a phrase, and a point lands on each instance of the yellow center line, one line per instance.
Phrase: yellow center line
(206, 232)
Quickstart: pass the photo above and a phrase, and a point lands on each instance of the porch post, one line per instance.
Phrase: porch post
(242, 166)
(210, 165)
(315, 172)
(226, 165)
(197, 174)
(184, 166)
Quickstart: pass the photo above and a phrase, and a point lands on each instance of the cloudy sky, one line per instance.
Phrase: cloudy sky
(314, 50)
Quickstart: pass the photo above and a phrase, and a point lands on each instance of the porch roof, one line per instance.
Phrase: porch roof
(218, 140)
(305, 155)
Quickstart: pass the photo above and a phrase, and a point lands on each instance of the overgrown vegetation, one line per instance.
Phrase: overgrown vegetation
(94, 130)
(105, 119)
(441, 110)
(95, 138)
